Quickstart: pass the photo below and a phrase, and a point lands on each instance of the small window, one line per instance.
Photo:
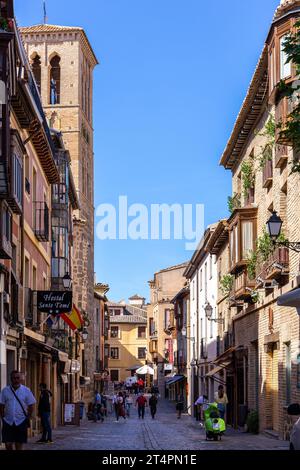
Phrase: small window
(210, 267)
(117, 312)
(114, 353)
(36, 70)
(114, 331)
(141, 353)
(167, 318)
(114, 375)
(141, 332)
(55, 80)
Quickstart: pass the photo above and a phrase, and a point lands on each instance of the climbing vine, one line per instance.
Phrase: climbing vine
(234, 202)
(226, 283)
(248, 176)
(289, 131)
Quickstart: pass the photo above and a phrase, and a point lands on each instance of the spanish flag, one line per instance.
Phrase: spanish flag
(73, 319)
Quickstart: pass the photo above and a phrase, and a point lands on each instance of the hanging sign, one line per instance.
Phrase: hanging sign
(54, 302)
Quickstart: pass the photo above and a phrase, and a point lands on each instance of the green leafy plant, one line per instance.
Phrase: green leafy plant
(265, 246)
(248, 176)
(253, 422)
(290, 130)
(255, 296)
(226, 283)
(3, 23)
(251, 264)
(266, 152)
(234, 202)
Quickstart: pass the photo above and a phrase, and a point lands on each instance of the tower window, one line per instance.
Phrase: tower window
(55, 80)
(36, 70)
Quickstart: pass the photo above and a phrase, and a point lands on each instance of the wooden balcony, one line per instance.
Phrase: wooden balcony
(276, 266)
(267, 174)
(281, 155)
(243, 285)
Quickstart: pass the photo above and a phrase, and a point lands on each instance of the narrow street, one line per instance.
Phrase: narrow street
(166, 432)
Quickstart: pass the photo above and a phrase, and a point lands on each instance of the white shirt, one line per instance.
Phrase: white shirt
(13, 412)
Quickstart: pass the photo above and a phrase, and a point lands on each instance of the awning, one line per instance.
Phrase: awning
(224, 357)
(134, 367)
(217, 369)
(290, 299)
(174, 379)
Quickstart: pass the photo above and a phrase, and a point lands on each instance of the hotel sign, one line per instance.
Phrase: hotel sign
(54, 302)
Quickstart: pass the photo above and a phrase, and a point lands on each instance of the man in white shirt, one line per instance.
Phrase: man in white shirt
(16, 407)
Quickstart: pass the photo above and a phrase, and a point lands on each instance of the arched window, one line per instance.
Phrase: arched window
(54, 80)
(36, 70)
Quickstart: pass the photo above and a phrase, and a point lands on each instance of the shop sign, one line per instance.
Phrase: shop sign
(54, 302)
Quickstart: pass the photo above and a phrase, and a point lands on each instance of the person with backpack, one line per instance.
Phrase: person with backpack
(16, 408)
(153, 405)
(44, 414)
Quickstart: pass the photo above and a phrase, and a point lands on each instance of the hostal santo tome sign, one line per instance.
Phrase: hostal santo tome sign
(54, 301)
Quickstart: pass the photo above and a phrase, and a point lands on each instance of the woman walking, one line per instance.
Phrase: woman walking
(120, 406)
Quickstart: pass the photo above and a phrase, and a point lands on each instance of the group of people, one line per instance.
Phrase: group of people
(16, 407)
(220, 398)
(123, 401)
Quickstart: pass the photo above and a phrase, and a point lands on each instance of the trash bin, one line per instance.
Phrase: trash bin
(81, 409)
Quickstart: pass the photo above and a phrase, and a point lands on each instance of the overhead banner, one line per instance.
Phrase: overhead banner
(54, 302)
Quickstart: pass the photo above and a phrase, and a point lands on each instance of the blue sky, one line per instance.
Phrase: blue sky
(171, 80)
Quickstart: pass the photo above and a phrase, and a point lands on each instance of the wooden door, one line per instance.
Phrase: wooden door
(274, 391)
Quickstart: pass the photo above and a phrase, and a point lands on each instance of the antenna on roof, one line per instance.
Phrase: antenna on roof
(45, 13)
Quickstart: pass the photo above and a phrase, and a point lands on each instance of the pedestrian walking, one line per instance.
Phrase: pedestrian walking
(153, 405)
(179, 405)
(44, 414)
(141, 403)
(16, 408)
(104, 404)
(128, 404)
(120, 406)
(222, 401)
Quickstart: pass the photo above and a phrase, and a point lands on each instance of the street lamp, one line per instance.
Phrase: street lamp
(183, 332)
(67, 281)
(209, 312)
(274, 225)
(85, 334)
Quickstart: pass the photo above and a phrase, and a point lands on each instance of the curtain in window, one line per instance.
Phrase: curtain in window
(247, 237)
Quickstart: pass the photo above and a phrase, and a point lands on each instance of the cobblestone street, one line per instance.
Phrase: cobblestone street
(166, 432)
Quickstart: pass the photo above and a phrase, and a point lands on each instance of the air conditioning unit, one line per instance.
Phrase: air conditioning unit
(5, 298)
(23, 353)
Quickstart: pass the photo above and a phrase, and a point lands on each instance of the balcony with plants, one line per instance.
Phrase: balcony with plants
(269, 261)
